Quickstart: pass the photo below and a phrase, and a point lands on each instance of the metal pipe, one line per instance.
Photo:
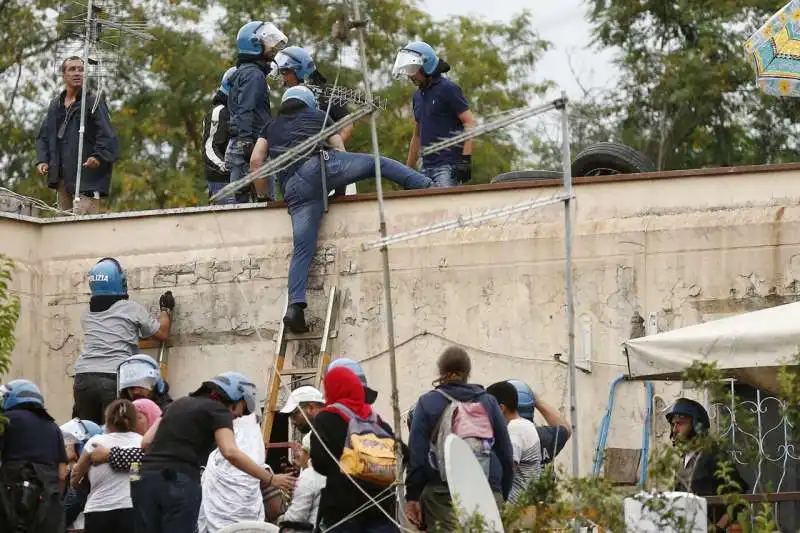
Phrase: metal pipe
(569, 296)
(462, 222)
(76, 201)
(387, 282)
(488, 127)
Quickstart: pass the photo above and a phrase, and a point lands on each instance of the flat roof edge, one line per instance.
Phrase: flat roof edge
(463, 189)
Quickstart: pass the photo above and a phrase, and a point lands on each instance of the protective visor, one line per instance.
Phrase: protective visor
(136, 374)
(408, 62)
(271, 37)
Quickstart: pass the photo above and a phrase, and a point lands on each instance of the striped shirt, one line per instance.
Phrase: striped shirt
(527, 454)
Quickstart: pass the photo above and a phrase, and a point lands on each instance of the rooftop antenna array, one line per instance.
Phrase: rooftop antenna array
(103, 35)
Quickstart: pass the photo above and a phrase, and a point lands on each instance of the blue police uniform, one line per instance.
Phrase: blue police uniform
(436, 110)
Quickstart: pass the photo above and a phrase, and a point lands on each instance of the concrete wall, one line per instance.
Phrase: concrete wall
(687, 247)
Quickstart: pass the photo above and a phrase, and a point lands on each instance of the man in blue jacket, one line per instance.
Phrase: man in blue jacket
(428, 497)
(248, 101)
(57, 143)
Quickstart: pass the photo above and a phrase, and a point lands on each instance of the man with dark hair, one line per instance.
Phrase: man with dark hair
(57, 143)
(427, 492)
(525, 443)
(699, 471)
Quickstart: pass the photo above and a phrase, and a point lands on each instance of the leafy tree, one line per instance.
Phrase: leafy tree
(9, 313)
(687, 94)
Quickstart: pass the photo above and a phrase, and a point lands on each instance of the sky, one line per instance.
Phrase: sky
(563, 23)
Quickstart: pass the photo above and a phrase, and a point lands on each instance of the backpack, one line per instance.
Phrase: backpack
(368, 453)
(471, 422)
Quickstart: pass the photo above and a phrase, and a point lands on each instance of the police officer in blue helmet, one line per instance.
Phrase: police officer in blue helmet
(699, 471)
(33, 462)
(258, 42)
(216, 135)
(297, 67)
(298, 119)
(440, 111)
(178, 446)
(114, 329)
(370, 395)
(139, 377)
(555, 433)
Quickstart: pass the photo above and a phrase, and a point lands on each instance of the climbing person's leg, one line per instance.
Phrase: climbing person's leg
(344, 168)
(304, 203)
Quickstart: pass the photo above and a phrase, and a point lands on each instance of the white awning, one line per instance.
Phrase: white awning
(750, 347)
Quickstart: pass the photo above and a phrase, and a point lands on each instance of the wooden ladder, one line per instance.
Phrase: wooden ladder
(328, 333)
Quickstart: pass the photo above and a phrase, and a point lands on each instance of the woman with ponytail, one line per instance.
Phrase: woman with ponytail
(109, 507)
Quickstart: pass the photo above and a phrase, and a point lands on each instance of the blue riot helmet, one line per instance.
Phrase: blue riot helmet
(300, 93)
(78, 432)
(686, 407)
(370, 395)
(257, 37)
(225, 86)
(297, 60)
(140, 370)
(236, 387)
(106, 278)
(413, 57)
(526, 401)
(21, 392)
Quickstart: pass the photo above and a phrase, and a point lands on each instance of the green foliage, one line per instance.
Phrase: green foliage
(687, 94)
(9, 314)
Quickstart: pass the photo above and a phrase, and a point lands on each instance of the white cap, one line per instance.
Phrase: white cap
(302, 395)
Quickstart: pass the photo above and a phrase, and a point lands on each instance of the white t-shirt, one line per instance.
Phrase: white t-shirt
(527, 454)
(110, 490)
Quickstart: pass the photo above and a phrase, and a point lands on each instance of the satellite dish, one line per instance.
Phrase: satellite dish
(251, 527)
(468, 484)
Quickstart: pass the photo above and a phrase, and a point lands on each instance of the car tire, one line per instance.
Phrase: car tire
(608, 159)
(528, 175)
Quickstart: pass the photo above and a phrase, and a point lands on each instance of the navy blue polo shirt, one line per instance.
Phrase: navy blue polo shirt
(436, 110)
(32, 436)
(287, 131)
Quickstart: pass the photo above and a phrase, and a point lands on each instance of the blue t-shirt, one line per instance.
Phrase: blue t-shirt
(436, 110)
(287, 131)
(32, 436)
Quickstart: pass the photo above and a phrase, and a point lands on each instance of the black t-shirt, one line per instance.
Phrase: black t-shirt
(185, 435)
(547, 438)
(32, 436)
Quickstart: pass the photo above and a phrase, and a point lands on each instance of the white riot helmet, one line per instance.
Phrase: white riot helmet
(140, 370)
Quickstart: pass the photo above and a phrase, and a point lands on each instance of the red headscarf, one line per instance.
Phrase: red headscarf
(343, 386)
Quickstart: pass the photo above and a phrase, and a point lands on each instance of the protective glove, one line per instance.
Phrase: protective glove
(167, 301)
(464, 169)
(247, 148)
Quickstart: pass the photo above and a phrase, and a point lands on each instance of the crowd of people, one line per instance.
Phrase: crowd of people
(132, 459)
(238, 130)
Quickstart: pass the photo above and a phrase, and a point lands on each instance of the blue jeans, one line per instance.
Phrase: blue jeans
(164, 505)
(214, 187)
(442, 176)
(303, 195)
(239, 166)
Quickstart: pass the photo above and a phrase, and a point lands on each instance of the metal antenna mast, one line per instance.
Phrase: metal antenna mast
(387, 281)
